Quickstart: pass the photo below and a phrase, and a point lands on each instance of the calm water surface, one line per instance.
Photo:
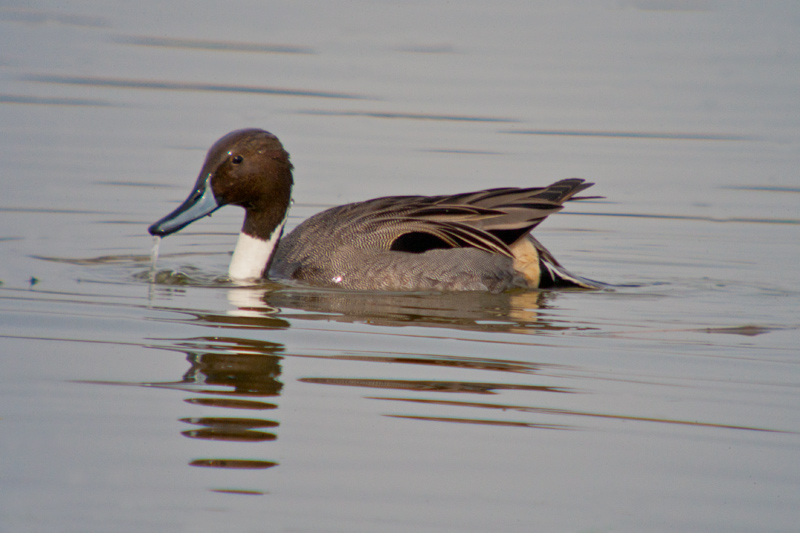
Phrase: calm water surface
(668, 403)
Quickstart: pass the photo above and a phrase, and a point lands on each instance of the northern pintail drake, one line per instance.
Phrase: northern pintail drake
(464, 242)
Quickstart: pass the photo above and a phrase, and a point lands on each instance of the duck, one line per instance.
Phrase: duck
(473, 241)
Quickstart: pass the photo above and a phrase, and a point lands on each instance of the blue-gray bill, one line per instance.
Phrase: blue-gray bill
(201, 202)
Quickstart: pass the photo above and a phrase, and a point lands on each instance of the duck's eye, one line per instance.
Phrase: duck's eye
(237, 159)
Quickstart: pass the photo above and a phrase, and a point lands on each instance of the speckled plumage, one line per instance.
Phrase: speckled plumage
(354, 246)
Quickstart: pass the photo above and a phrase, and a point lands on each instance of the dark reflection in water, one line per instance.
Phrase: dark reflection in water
(483, 422)
(239, 492)
(231, 373)
(246, 367)
(432, 386)
(239, 377)
(448, 361)
(516, 312)
(264, 319)
(521, 312)
(551, 411)
(232, 404)
(230, 429)
(233, 463)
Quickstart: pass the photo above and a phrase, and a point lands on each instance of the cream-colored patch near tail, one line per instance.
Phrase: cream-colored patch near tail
(526, 261)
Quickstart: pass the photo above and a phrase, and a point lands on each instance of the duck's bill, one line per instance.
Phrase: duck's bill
(199, 204)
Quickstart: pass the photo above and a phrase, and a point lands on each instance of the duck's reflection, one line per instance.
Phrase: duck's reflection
(234, 366)
(518, 312)
(240, 376)
(235, 375)
(250, 369)
(231, 429)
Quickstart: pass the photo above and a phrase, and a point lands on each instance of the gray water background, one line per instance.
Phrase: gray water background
(667, 404)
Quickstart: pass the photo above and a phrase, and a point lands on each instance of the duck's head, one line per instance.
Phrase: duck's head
(248, 168)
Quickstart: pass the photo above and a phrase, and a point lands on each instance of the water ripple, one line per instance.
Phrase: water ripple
(123, 83)
(220, 46)
(665, 135)
(563, 412)
(38, 100)
(412, 116)
(693, 217)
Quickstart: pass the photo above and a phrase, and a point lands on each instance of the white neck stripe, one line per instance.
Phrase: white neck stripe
(251, 255)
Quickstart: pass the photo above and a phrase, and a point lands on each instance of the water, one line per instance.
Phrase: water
(165, 398)
(154, 259)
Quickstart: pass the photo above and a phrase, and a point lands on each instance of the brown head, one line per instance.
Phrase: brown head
(248, 168)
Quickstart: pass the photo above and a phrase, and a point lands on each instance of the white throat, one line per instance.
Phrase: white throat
(251, 255)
